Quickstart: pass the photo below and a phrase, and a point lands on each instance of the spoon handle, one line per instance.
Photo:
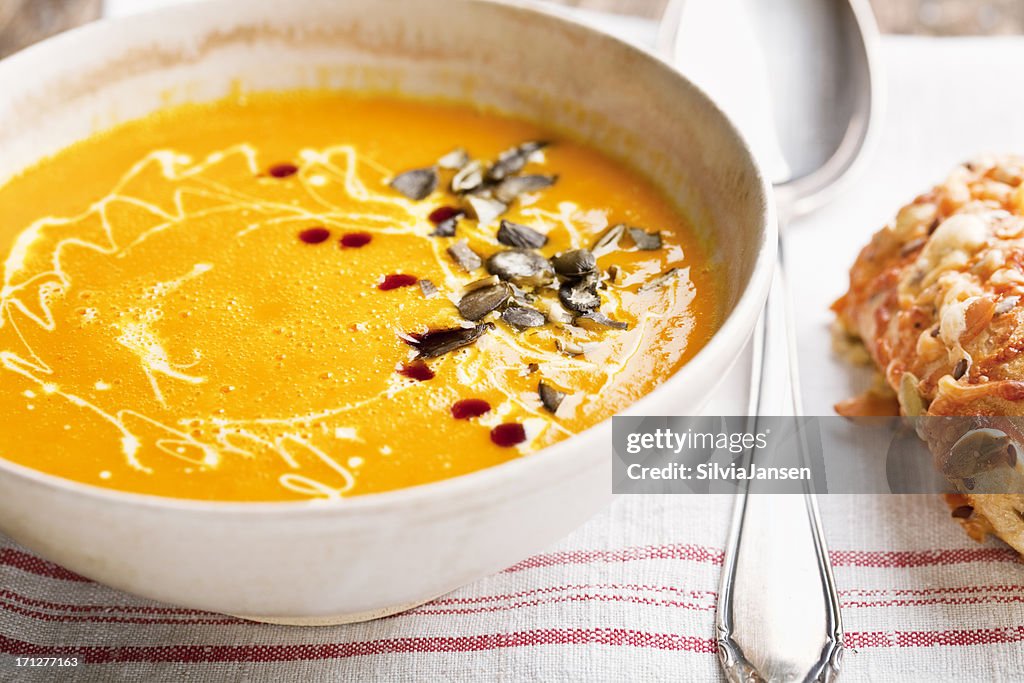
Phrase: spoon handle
(778, 613)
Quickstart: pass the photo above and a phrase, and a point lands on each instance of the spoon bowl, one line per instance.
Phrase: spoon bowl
(798, 77)
(823, 108)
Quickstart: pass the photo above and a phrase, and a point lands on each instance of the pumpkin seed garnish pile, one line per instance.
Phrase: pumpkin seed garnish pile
(522, 279)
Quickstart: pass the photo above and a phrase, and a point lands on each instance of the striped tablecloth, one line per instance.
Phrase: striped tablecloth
(631, 595)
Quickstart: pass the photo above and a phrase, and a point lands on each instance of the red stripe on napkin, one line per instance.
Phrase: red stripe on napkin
(692, 553)
(902, 559)
(277, 653)
(32, 564)
(960, 638)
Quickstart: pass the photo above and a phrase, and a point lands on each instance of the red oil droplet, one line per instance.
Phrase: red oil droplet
(396, 280)
(469, 408)
(417, 370)
(444, 213)
(314, 235)
(283, 170)
(354, 240)
(508, 434)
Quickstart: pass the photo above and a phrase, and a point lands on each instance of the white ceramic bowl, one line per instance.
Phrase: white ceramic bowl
(376, 554)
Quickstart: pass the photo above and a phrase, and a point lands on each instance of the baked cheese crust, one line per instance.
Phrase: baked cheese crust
(937, 298)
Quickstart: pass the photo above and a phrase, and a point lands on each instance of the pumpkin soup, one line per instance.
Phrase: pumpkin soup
(315, 295)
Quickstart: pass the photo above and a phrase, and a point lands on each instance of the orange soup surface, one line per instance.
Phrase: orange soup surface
(318, 295)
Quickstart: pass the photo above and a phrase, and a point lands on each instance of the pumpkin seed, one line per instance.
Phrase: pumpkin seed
(485, 209)
(513, 160)
(960, 369)
(645, 241)
(521, 267)
(609, 240)
(909, 397)
(439, 342)
(428, 288)
(580, 295)
(479, 302)
(660, 280)
(517, 235)
(467, 259)
(521, 297)
(523, 317)
(417, 184)
(446, 228)
(575, 263)
(977, 451)
(963, 512)
(550, 397)
(600, 318)
(513, 186)
(454, 160)
(469, 177)
(570, 348)
(488, 281)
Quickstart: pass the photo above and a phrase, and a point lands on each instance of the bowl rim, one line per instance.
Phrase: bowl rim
(738, 324)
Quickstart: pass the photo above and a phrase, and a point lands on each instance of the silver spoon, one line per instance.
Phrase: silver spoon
(813, 64)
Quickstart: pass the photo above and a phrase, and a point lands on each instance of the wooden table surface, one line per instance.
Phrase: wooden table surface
(23, 22)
